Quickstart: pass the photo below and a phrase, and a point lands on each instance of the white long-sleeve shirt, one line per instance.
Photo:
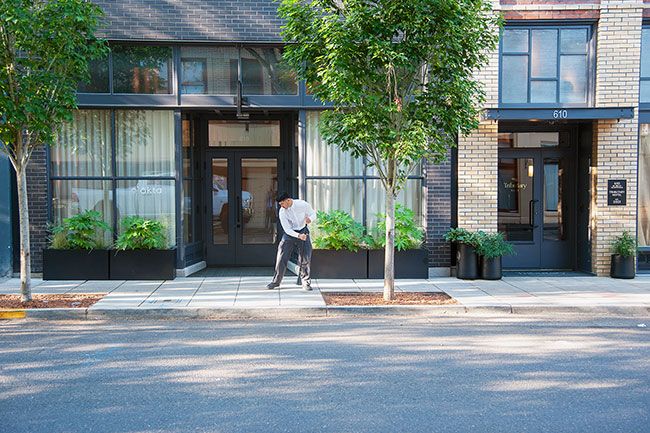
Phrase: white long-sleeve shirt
(293, 218)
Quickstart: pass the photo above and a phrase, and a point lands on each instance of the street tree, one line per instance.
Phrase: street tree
(45, 47)
(400, 76)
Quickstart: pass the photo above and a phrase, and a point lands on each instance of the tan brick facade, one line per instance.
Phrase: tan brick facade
(615, 142)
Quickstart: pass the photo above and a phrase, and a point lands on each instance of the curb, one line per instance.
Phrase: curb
(289, 313)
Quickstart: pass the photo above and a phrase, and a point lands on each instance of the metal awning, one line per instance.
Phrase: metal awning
(559, 113)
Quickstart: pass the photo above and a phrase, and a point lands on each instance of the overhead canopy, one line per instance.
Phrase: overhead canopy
(559, 113)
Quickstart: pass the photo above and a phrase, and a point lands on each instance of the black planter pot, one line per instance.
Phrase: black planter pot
(491, 268)
(408, 264)
(466, 262)
(622, 267)
(143, 264)
(75, 264)
(339, 264)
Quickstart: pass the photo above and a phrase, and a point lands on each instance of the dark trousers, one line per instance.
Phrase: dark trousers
(285, 249)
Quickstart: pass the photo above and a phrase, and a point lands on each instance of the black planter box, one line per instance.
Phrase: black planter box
(143, 264)
(622, 267)
(408, 264)
(491, 268)
(466, 262)
(339, 264)
(75, 264)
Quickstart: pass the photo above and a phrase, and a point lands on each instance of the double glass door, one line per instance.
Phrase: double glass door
(241, 208)
(537, 207)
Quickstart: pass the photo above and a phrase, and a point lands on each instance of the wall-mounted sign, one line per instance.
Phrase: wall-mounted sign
(616, 192)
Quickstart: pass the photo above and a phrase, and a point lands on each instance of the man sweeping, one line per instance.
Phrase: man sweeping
(294, 216)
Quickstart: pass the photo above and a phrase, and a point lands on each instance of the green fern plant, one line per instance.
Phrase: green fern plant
(84, 231)
(337, 230)
(493, 245)
(408, 235)
(141, 234)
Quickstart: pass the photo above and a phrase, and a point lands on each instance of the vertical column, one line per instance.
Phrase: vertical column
(37, 187)
(478, 160)
(615, 141)
(438, 213)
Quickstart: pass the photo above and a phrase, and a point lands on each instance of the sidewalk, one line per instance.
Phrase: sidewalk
(246, 296)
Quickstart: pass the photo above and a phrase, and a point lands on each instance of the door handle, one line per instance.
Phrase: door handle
(531, 213)
(239, 210)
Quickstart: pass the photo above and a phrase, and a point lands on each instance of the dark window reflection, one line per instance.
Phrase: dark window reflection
(141, 69)
(98, 83)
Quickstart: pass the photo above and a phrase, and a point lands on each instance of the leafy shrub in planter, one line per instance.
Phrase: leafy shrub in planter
(466, 256)
(141, 234)
(142, 251)
(463, 236)
(408, 236)
(84, 231)
(337, 230)
(624, 249)
(77, 249)
(493, 245)
(624, 245)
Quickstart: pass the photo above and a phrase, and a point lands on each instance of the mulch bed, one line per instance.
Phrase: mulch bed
(77, 300)
(409, 298)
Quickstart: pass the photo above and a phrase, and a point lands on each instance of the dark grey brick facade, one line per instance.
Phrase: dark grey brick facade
(38, 204)
(191, 20)
(438, 202)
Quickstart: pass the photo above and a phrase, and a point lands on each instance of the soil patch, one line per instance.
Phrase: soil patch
(77, 300)
(409, 298)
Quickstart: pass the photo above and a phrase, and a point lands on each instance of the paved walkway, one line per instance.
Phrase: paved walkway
(248, 292)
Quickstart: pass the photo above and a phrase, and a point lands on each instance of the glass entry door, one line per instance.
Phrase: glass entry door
(537, 207)
(241, 213)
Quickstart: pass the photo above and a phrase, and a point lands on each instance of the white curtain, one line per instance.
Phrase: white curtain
(410, 197)
(83, 146)
(326, 160)
(145, 143)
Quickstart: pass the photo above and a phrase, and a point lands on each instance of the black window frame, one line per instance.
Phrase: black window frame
(545, 25)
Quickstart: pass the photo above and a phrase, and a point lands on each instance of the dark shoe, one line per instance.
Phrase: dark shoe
(272, 286)
(306, 287)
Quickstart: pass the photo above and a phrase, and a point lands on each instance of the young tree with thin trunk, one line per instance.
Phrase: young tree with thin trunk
(400, 75)
(45, 47)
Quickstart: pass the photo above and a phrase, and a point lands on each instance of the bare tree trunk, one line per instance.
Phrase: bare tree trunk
(25, 251)
(389, 257)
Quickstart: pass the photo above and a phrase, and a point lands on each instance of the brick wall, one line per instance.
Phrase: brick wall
(615, 141)
(199, 20)
(438, 212)
(37, 196)
(477, 160)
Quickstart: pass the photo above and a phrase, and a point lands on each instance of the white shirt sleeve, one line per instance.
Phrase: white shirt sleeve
(286, 226)
(311, 213)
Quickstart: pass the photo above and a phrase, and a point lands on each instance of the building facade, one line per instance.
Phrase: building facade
(193, 120)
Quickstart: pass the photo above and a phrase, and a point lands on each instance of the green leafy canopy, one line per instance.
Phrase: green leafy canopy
(399, 73)
(45, 47)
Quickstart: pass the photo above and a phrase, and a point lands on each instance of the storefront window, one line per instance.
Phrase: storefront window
(324, 160)
(336, 194)
(73, 196)
(144, 143)
(142, 69)
(149, 198)
(545, 65)
(245, 133)
(83, 146)
(644, 186)
(337, 181)
(81, 166)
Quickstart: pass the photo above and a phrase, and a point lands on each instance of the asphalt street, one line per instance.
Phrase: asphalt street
(466, 374)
